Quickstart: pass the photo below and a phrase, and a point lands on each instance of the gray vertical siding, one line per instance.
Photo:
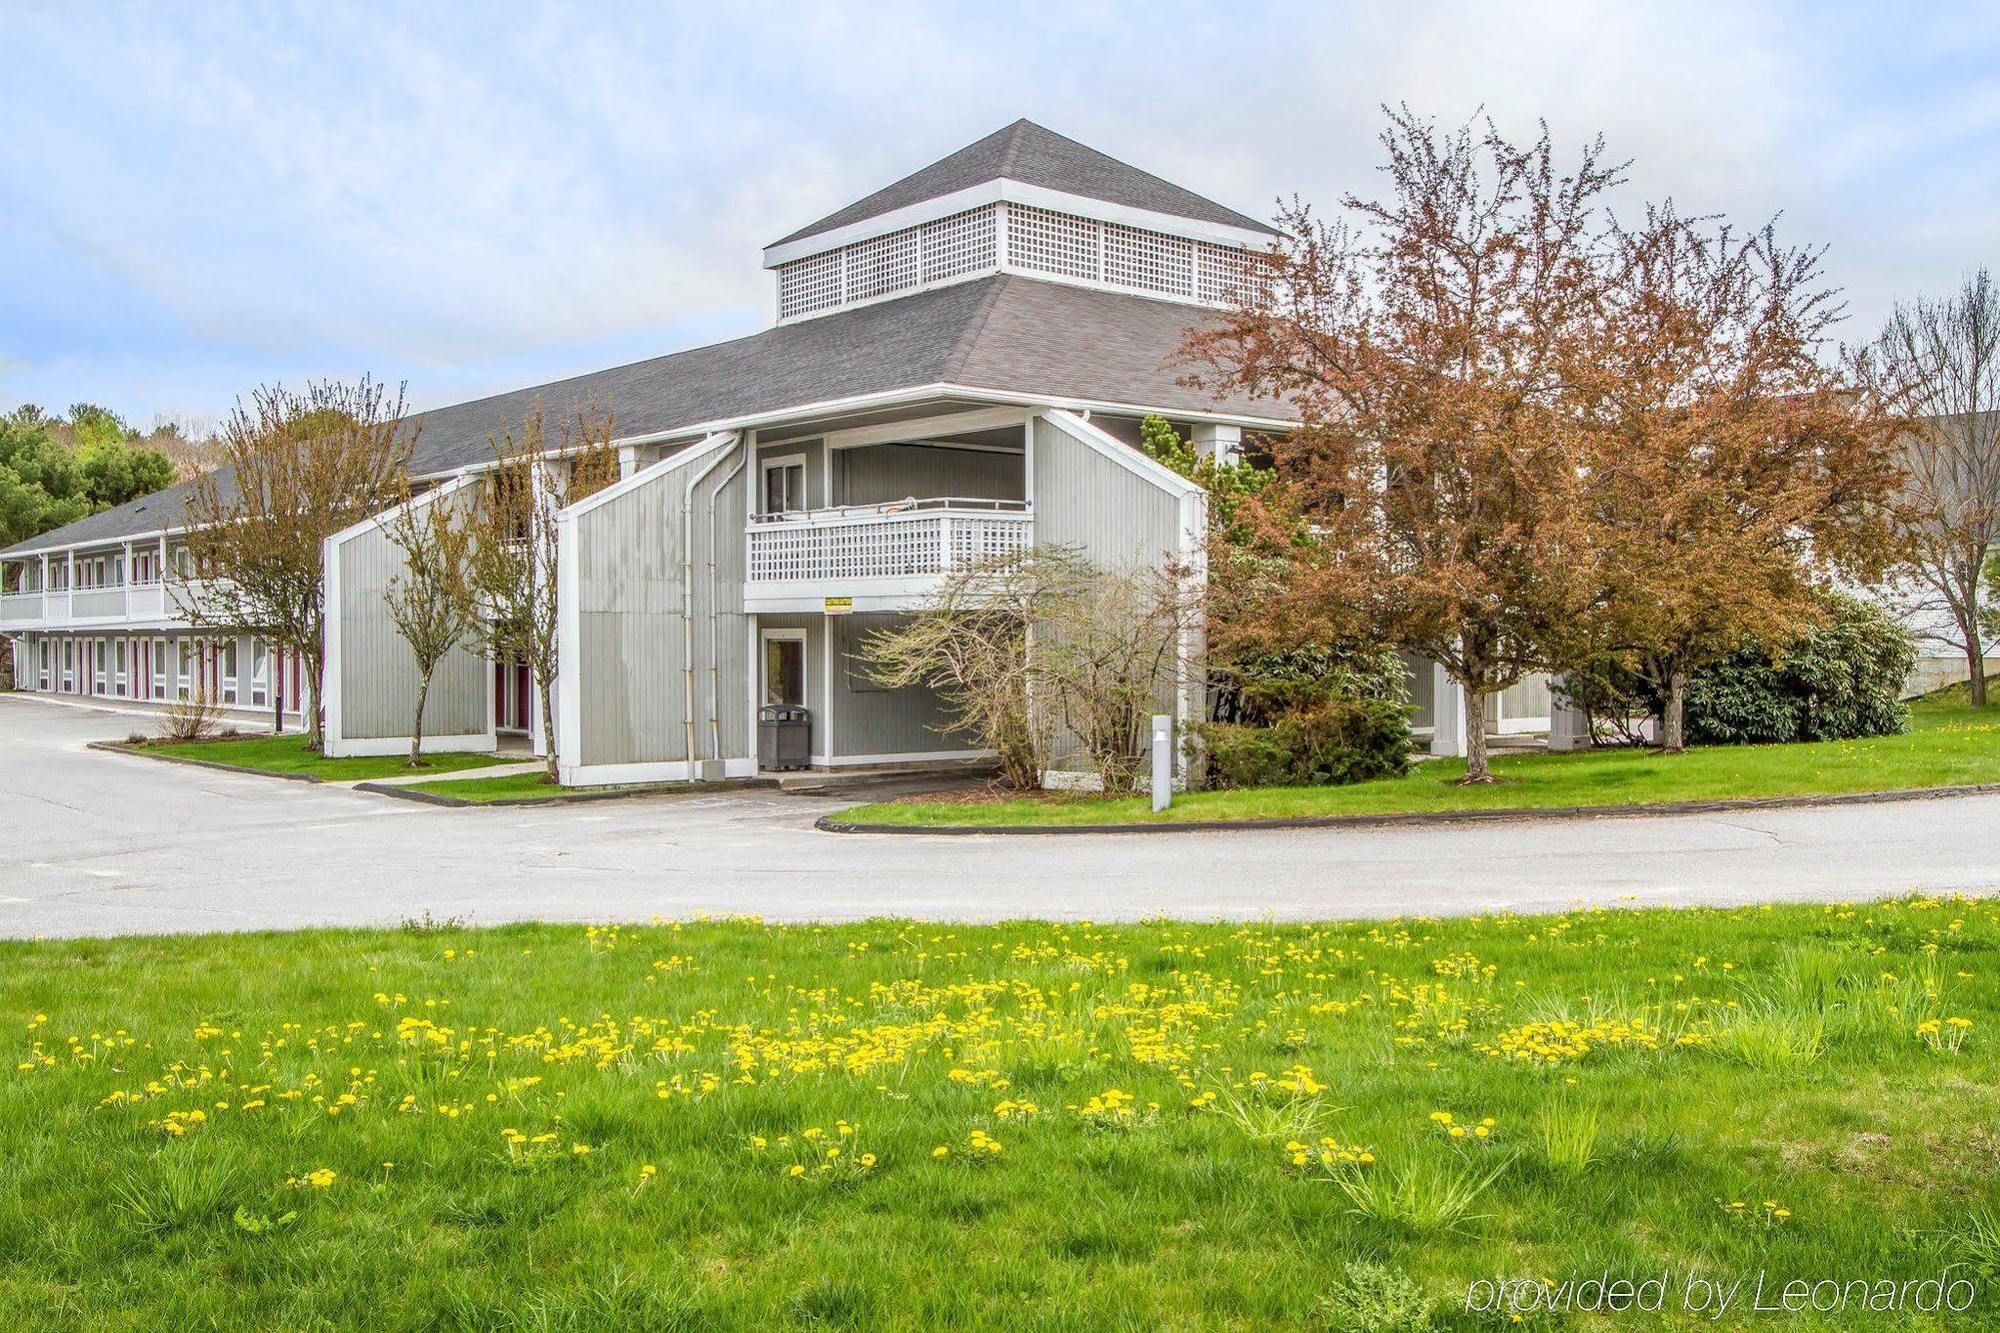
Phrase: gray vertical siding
(871, 720)
(1528, 697)
(378, 675)
(879, 473)
(815, 456)
(1113, 516)
(632, 635)
(1421, 680)
(1086, 500)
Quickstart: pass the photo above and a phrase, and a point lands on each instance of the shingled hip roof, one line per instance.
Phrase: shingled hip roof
(1027, 153)
(1002, 333)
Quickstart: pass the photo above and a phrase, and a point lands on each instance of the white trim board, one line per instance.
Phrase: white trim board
(375, 747)
(666, 770)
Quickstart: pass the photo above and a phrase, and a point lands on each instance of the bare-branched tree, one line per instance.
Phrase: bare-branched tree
(1936, 364)
(1026, 650)
(1111, 653)
(534, 474)
(297, 467)
(430, 601)
(971, 644)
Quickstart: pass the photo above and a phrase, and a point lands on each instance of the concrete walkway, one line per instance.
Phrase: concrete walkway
(102, 843)
(458, 775)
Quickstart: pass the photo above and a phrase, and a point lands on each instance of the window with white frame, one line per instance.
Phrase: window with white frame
(229, 671)
(260, 672)
(118, 667)
(785, 484)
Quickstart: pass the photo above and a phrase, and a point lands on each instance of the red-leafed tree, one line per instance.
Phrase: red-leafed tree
(1438, 492)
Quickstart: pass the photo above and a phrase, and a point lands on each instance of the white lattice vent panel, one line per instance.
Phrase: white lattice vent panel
(1219, 272)
(882, 265)
(1047, 242)
(1038, 240)
(1148, 260)
(809, 285)
(963, 243)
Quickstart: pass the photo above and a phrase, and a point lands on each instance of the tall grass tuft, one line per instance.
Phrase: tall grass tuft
(1773, 1034)
(1979, 1241)
(1424, 1195)
(1273, 1121)
(182, 1190)
(1567, 1133)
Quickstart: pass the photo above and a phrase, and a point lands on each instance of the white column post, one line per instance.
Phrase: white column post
(628, 460)
(1568, 728)
(1448, 714)
(1163, 761)
(1222, 443)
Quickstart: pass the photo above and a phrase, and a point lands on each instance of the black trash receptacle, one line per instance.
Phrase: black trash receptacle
(784, 736)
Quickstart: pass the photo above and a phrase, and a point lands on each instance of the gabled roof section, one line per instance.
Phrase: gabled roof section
(1003, 333)
(1026, 152)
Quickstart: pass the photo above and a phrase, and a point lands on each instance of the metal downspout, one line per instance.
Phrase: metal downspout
(687, 604)
(715, 616)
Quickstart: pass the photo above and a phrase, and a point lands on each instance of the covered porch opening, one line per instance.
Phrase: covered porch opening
(821, 662)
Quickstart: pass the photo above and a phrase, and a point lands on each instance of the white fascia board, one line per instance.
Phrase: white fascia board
(781, 417)
(1034, 402)
(1132, 460)
(1013, 192)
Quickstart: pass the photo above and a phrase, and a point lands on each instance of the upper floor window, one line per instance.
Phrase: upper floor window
(785, 484)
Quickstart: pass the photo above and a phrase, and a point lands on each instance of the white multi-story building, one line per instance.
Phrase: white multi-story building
(957, 367)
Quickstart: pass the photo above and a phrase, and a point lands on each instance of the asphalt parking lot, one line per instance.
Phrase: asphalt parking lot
(95, 843)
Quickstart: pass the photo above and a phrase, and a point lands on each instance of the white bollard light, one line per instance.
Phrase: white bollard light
(1163, 762)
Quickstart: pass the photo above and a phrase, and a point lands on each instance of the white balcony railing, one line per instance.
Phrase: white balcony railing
(19, 606)
(104, 605)
(893, 549)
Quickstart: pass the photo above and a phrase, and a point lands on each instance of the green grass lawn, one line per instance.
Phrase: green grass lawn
(890, 1124)
(1947, 744)
(287, 754)
(536, 787)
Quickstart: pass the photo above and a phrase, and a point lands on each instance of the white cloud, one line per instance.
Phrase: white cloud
(488, 196)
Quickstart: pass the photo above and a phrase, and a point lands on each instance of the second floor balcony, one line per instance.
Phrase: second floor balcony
(105, 606)
(879, 557)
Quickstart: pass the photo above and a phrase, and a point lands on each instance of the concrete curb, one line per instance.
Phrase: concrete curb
(833, 824)
(121, 747)
(405, 793)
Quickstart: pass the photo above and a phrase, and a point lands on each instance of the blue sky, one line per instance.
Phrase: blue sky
(194, 199)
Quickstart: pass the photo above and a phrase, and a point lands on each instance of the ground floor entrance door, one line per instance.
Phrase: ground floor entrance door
(784, 667)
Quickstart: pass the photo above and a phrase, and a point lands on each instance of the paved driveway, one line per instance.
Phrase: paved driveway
(97, 843)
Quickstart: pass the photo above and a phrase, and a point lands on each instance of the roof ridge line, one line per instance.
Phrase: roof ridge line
(961, 352)
(1010, 157)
